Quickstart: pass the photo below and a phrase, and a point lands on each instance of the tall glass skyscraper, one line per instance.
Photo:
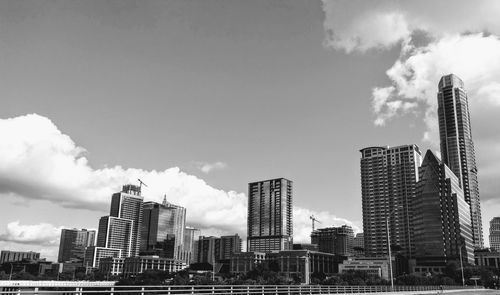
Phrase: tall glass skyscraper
(270, 225)
(457, 148)
(162, 230)
(441, 215)
(388, 180)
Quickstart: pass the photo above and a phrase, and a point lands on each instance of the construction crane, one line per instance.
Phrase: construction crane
(141, 183)
(313, 220)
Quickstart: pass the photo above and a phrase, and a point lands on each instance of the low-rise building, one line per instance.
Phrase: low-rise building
(241, 263)
(12, 256)
(487, 257)
(371, 265)
(132, 266)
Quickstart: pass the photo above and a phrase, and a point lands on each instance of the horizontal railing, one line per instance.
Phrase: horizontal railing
(218, 289)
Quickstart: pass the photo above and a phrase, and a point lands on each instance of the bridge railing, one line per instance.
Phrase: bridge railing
(216, 290)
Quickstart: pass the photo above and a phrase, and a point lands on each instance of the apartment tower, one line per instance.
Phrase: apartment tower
(388, 179)
(270, 225)
(457, 148)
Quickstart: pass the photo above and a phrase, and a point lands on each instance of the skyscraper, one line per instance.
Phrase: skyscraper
(495, 234)
(162, 230)
(441, 215)
(270, 225)
(127, 204)
(388, 179)
(457, 148)
(73, 243)
(116, 233)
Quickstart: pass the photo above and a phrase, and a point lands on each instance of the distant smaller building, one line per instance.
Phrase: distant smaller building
(310, 247)
(132, 266)
(12, 256)
(93, 255)
(215, 249)
(495, 233)
(334, 240)
(487, 258)
(241, 263)
(371, 265)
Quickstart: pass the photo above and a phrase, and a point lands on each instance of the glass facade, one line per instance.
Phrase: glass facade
(73, 243)
(457, 147)
(442, 218)
(495, 234)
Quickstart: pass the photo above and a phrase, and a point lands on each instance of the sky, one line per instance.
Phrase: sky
(199, 98)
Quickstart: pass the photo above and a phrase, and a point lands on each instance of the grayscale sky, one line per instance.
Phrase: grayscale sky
(198, 98)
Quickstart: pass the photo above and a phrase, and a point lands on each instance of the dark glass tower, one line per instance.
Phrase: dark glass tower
(270, 225)
(441, 215)
(457, 148)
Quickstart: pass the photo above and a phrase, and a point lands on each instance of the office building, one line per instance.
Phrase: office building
(375, 266)
(334, 240)
(457, 148)
(270, 224)
(94, 255)
(73, 243)
(116, 233)
(358, 241)
(127, 204)
(495, 234)
(441, 214)
(214, 249)
(388, 179)
(191, 236)
(13, 256)
(162, 230)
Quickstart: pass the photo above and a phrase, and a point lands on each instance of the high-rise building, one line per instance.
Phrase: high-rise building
(457, 148)
(73, 243)
(116, 233)
(270, 225)
(191, 235)
(127, 204)
(162, 230)
(388, 180)
(335, 240)
(359, 241)
(441, 215)
(495, 234)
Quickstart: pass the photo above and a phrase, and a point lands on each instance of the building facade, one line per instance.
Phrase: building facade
(441, 214)
(495, 234)
(162, 230)
(270, 224)
(457, 147)
(116, 233)
(388, 180)
(127, 204)
(214, 249)
(370, 265)
(94, 255)
(13, 256)
(191, 236)
(73, 243)
(334, 240)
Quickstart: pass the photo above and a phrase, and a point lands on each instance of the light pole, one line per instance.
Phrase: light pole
(389, 250)
(389, 243)
(11, 268)
(461, 263)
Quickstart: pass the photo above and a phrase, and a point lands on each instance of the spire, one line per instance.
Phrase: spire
(165, 203)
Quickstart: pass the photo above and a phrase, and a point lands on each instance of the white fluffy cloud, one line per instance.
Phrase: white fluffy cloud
(40, 162)
(38, 234)
(209, 167)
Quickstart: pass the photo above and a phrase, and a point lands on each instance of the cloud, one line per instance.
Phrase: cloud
(44, 234)
(40, 162)
(209, 167)
(358, 25)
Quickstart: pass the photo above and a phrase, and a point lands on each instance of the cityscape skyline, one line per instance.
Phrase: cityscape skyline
(129, 90)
